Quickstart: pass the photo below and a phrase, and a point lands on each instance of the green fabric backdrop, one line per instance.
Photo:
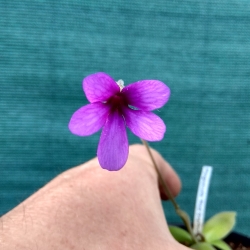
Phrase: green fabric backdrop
(201, 49)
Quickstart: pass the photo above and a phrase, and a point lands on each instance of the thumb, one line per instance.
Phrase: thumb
(168, 174)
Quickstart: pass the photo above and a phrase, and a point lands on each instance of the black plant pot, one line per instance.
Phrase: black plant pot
(238, 241)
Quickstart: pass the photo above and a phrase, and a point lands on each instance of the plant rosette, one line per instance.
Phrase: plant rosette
(212, 235)
(216, 232)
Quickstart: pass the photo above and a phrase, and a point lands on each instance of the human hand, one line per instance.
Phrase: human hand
(90, 208)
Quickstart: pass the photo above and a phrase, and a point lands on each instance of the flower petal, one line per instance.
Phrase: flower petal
(147, 94)
(89, 119)
(113, 146)
(144, 124)
(99, 87)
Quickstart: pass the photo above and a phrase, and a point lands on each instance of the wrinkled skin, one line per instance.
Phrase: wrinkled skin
(89, 208)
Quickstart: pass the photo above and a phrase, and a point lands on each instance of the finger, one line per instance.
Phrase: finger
(170, 177)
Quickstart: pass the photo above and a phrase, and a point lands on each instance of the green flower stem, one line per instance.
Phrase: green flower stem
(183, 215)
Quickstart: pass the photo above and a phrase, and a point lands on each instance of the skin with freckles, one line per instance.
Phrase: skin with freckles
(89, 208)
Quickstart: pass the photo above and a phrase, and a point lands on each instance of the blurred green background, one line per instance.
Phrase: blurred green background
(200, 49)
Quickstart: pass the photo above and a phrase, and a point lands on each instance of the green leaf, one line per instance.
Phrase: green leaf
(181, 235)
(203, 246)
(219, 226)
(221, 245)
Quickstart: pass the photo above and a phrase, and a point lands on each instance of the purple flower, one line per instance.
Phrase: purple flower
(113, 107)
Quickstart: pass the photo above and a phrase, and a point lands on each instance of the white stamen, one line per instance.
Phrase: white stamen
(120, 84)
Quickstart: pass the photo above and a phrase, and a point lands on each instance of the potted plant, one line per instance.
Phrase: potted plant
(216, 234)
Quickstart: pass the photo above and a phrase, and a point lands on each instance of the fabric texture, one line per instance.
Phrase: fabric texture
(200, 49)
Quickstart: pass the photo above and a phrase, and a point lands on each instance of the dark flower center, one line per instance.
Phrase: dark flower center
(117, 101)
